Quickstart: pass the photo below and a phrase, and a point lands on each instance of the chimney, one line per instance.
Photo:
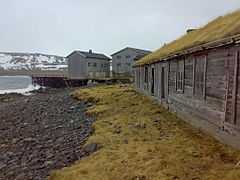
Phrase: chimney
(190, 30)
(90, 51)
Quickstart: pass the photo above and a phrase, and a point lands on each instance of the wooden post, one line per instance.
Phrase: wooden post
(227, 94)
(184, 62)
(176, 76)
(205, 76)
(194, 71)
(168, 72)
(235, 83)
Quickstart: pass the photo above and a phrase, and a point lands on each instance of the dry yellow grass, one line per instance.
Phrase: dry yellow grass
(152, 144)
(223, 26)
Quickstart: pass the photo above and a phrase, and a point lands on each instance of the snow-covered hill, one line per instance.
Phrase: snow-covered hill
(36, 61)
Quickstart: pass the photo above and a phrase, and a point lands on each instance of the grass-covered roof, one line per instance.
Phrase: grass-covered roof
(222, 27)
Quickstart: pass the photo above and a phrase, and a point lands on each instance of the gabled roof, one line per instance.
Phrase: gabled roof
(220, 28)
(90, 55)
(141, 51)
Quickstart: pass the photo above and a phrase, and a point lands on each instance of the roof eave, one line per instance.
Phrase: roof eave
(213, 44)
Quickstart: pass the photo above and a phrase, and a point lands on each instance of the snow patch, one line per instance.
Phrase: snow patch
(16, 61)
(25, 91)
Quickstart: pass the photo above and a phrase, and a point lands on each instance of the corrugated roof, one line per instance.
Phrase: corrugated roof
(94, 55)
(222, 27)
(141, 51)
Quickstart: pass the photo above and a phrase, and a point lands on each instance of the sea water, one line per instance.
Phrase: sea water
(16, 84)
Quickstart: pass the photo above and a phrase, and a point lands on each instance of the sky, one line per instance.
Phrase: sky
(106, 26)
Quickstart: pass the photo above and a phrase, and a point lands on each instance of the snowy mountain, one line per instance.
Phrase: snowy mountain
(31, 61)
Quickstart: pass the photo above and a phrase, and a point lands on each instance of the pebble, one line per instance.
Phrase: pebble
(42, 135)
(140, 126)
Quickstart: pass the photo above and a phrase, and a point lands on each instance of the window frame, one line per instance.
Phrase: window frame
(118, 64)
(118, 57)
(94, 64)
(199, 79)
(180, 76)
(128, 56)
(89, 64)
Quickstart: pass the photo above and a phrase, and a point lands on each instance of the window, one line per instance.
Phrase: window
(180, 75)
(94, 64)
(118, 57)
(89, 64)
(118, 64)
(128, 56)
(128, 64)
(199, 79)
(105, 65)
(102, 65)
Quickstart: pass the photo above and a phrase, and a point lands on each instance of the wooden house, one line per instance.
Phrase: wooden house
(122, 61)
(88, 65)
(197, 77)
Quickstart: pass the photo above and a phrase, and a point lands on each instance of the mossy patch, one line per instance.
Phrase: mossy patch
(141, 140)
(223, 26)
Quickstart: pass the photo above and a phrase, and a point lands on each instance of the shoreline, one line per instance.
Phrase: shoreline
(41, 133)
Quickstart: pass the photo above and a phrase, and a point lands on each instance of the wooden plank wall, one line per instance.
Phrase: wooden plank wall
(172, 76)
(231, 115)
(211, 104)
(236, 87)
(220, 101)
(238, 93)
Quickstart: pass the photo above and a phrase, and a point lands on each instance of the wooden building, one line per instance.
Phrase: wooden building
(88, 65)
(197, 77)
(122, 61)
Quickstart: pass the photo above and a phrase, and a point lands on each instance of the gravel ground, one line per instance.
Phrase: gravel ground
(41, 133)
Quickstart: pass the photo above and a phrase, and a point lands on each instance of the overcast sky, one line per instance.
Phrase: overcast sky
(106, 26)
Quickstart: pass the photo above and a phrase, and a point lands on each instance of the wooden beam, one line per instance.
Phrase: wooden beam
(235, 83)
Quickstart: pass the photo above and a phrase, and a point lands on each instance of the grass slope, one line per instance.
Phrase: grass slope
(223, 26)
(152, 144)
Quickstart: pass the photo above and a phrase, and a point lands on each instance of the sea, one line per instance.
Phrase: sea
(17, 84)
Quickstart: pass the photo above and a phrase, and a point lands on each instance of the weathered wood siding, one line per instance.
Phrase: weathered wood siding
(77, 66)
(211, 85)
(122, 66)
(102, 69)
(233, 86)
(81, 67)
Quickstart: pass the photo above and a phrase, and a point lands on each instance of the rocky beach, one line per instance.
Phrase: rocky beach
(42, 132)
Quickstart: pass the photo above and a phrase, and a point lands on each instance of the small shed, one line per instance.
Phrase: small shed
(88, 65)
(197, 77)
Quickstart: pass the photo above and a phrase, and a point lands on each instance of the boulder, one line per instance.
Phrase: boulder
(91, 148)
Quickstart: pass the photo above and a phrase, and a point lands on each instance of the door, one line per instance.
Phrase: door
(152, 81)
(164, 84)
(232, 106)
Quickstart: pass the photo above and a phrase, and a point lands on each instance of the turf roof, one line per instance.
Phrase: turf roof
(222, 27)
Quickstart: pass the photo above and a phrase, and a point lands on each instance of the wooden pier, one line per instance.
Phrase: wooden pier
(58, 79)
